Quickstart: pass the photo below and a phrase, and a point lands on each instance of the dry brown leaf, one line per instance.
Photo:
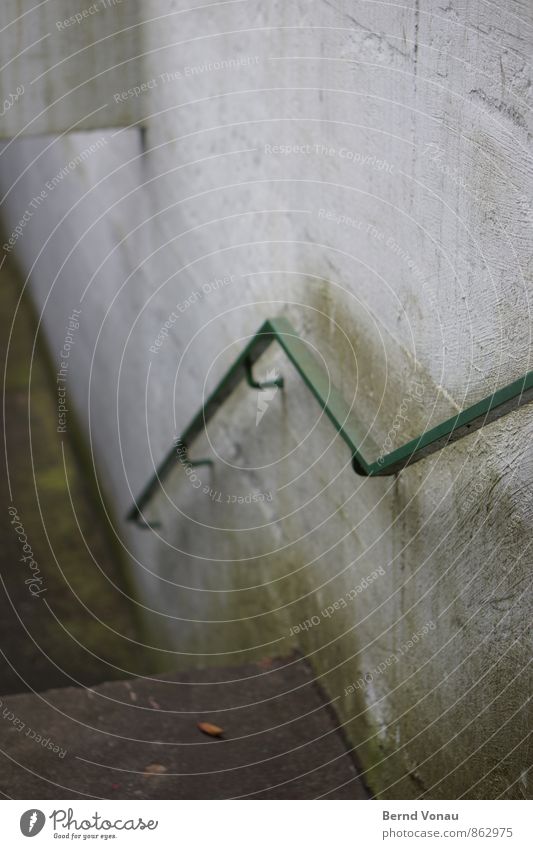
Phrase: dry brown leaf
(210, 729)
(155, 769)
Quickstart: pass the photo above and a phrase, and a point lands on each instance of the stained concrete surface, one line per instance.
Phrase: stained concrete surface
(79, 626)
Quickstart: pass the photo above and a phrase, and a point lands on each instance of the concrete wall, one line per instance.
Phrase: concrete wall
(364, 170)
(59, 61)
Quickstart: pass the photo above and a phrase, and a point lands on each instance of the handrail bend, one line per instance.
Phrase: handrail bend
(314, 374)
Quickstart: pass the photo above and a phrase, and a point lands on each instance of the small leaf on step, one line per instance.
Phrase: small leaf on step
(155, 769)
(210, 729)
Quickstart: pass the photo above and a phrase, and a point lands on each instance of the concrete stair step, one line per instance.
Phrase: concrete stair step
(139, 738)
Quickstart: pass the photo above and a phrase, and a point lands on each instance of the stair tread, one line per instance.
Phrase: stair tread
(280, 738)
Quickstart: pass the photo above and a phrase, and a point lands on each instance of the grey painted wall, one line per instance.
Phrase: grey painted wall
(364, 169)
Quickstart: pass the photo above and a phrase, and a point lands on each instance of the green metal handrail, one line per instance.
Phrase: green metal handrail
(316, 377)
